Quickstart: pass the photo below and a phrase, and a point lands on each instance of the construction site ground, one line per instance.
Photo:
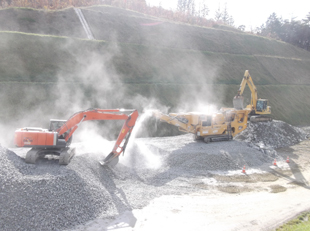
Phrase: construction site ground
(163, 183)
(262, 199)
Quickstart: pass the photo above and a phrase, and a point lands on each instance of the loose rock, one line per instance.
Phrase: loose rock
(47, 196)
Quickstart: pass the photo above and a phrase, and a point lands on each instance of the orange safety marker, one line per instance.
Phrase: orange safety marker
(287, 160)
(275, 162)
(243, 170)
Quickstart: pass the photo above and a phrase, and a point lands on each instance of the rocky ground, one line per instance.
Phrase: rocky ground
(272, 135)
(47, 196)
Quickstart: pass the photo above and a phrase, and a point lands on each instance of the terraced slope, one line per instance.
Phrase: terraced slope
(48, 69)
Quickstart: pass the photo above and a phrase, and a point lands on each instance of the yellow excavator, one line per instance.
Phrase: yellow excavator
(259, 111)
(214, 127)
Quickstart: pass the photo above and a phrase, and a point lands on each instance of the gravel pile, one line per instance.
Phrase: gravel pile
(185, 157)
(275, 134)
(47, 196)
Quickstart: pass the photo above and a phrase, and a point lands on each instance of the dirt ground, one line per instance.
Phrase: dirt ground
(261, 199)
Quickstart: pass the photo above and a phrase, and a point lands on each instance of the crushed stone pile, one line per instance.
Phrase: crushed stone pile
(274, 134)
(47, 196)
(185, 157)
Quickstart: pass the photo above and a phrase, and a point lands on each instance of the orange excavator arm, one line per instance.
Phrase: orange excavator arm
(68, 128)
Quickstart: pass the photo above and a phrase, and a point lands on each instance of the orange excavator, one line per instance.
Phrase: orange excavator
(57, 139)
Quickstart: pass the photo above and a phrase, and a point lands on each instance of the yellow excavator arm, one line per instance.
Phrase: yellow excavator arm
(247, 79)
(258, 107)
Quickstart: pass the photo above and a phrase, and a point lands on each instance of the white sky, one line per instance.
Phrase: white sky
(250, 13)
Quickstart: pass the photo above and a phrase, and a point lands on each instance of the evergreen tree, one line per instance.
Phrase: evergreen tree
(223, 16)
(218, 14)
(294, 32)
(307, 19)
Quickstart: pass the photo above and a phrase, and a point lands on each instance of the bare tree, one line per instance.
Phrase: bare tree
(191, 7)
(181, 7)
(203, 9)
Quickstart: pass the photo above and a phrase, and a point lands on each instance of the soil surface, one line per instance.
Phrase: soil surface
(262, 199)
(166, 183)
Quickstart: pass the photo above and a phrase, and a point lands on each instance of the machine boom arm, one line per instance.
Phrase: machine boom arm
(247, 79)
(182, 123)
(103, 114)
(91, 114)
(259, 109)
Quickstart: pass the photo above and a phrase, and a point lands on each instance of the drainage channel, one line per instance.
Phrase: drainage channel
(84, 23)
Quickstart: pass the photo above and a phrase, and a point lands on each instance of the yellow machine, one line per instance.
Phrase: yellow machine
(259, 109)
(215, 127)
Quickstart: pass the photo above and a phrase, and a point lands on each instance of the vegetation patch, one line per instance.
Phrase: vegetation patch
(264, 177)
(302, 222)
(234, 189)
(235, 178)
(277, 188)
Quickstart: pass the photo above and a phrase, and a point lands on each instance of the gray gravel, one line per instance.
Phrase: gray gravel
(47, 196)
(275, 134)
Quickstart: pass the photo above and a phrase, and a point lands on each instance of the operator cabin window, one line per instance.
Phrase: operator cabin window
(261, 105)
(55, 124)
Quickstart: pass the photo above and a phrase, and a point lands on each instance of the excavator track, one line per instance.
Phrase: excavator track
(256, 119)
(66, 155)
(196, 137)
(32, 156)
(217, 138)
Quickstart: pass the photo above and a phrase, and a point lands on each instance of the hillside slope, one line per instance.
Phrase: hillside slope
(49, 69)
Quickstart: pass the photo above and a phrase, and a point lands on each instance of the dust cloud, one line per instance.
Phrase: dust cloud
(137, 153)
(95, 82)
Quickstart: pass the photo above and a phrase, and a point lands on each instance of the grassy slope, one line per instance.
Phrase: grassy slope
(205, 65)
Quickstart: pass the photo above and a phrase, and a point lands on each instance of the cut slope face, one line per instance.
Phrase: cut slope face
(59, 23)
(124, 26)
(178, 65)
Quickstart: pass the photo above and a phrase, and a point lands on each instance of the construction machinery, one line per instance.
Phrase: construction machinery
(57, 139)
(208, 127)
(259, 109)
